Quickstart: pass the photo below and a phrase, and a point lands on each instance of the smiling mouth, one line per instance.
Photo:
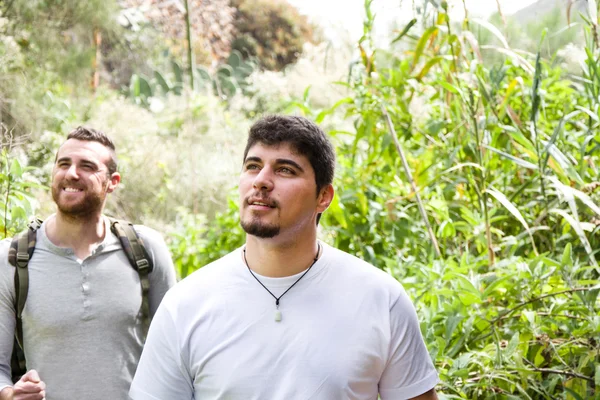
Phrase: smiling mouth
(72, 190)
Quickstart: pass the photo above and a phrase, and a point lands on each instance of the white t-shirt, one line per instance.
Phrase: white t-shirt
(348, 331)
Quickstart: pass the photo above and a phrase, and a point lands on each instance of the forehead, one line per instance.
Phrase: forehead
(84, 149)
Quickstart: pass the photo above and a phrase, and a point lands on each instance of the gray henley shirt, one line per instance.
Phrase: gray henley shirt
(82, 329)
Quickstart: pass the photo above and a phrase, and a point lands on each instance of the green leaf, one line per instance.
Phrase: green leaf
(512, 345)
(177, 71)
(134, 86)
(144, 88)
(335, 209)
(566, 256)
(570, 192)
(16, 171)
(451, 325)
(162, 82)
(565, 164)
(235, 58)
(405, 30)
(203, 74)
(516, 160)
(422, 43)
(430, 63)
(491, 287)
(576, 225)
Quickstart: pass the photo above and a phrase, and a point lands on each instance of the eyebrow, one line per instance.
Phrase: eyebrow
(278, 161)
(287, 161)
(84, 162)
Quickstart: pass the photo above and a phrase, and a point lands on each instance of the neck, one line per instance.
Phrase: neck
(81, 235)
(276, 260)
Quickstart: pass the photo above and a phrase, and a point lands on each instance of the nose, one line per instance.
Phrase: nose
(72, 172)
(263, 180)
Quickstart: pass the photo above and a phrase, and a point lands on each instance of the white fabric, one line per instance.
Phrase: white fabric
(348, 331)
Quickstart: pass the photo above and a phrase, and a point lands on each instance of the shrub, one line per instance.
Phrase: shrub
(271, 30)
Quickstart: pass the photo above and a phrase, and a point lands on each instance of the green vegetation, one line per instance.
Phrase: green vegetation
(467, 169)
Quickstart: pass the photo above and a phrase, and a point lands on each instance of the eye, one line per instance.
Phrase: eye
(250, 167)
(287, 170)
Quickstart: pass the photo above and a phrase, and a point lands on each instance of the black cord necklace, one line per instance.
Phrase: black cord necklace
(277, 312)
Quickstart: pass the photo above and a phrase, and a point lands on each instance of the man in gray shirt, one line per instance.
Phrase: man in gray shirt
(82, 327)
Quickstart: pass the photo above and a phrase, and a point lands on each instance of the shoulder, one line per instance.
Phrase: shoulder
(149, 236)
(221, 270)
(352, 268)
(201, 284)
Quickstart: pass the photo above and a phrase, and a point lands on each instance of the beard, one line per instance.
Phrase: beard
(90, 204)
(259, 229)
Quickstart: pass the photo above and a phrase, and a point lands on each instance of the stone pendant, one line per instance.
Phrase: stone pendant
(277, 315)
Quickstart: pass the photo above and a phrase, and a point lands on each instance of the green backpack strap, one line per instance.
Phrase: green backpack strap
(20, 252)
(138, 256)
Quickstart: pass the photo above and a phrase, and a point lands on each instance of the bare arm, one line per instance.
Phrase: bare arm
(429, 395)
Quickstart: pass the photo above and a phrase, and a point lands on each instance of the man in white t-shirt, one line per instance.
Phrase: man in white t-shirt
(286, 316)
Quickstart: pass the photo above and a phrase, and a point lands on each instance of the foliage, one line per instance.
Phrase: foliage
(504, 159)
(197, 242)
(524, 36)
(278, 45)
(16, 182)
(228, 80)
(501, 156)
(54, 50)
(502, 152)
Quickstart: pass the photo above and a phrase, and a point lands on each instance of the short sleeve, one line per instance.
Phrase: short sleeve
(161, 374)
(409, 371)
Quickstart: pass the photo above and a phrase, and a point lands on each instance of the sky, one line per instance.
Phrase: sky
(348, 14)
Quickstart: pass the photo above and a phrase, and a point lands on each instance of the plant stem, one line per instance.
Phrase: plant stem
(483, 177)
(189, 44)
(6, 202)
(559, 372)
(412, 181)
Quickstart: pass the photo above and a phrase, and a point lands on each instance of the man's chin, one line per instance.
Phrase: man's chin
(76, 211)
(260, 230)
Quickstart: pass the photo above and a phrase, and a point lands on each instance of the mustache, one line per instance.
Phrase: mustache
(72, 184)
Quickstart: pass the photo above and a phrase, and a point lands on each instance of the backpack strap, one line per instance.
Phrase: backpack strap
(20, 252)
(138, 256)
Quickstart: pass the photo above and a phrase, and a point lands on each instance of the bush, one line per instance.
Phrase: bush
(279, 44)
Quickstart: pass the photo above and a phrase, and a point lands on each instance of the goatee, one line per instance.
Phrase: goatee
(258, 229)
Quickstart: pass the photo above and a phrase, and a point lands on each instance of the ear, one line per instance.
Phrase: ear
(325, 198)
(114, 180)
